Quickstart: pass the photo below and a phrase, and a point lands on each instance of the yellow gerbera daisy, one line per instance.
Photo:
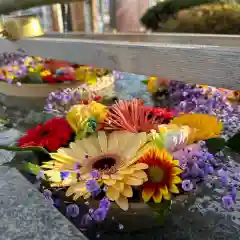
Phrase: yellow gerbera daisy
(113, 155)
(162, 175)
(205, 126)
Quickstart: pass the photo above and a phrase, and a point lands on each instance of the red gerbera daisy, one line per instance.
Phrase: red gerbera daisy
(162, 174)
(55, 133)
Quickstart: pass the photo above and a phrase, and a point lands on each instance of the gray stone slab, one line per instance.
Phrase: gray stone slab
(25, 215)
(8, 137)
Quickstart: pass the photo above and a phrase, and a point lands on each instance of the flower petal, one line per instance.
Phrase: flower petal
(157, 197)
(148, 191)
(173, 189)
(175, 162)
(176, 180)
(140, 166)
(127, 191)
(133, 181)
(112, 193)
(176, 170)
(117, 176)
(109, 182)
(102, 139)
(165, 193)
(122, 203)
(139, 174)
(119, 186)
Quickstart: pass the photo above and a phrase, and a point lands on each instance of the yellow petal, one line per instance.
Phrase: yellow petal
(91, 146)
(119, 186)
(147, 192)
(133, 181)
(117, 176)
(140, 166)
(126, 171)
(102, 139)
(173, 189)
(78, 187)
(176, 180)
(109, 182)
(112, 193)
(139, 174)
(61, 158)
(87, 195)
(176, 170)
(157, 197)
(122, 202)
(127, 191)
(77, 196)
(175, 162)
(165, 193)
(105, 176)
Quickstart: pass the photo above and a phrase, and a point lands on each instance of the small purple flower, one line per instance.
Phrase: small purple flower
(105, 203)
(99, 214)
(234, 193)
(224, 180)
(208, 169)
(227, 202)
(19, 84)
(47, 193)
(40, 175)
(92, 185)
(86, 220)
(187, 185)
(95, 174)
(72, 210)
(64, 174)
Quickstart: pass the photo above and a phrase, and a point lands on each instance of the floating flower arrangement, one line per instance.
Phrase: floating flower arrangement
(38, 77)
(112, 157)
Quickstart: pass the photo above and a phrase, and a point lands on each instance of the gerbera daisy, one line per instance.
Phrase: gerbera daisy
(132, 116)
(114, 156)
(162, 175)
(55, 133)
(205, 126)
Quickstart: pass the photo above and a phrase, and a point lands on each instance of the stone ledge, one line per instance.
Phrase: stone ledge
(26, 216)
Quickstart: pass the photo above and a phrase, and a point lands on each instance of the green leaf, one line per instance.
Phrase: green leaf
(31, 168)
(32, 77)
(144, 82)
(160, 210)
(234, 142)
(24, 149)
(215, 145)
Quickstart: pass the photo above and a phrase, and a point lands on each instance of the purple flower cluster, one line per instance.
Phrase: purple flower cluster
(61, 101)
(8, 58)
(201, 166)
(193, 98)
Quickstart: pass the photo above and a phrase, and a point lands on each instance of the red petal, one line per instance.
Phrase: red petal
(148, 191)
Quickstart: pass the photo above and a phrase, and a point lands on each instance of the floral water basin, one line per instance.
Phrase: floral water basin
(131, 171)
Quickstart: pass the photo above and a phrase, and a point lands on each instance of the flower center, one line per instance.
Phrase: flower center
(104, 163)
(155, 174)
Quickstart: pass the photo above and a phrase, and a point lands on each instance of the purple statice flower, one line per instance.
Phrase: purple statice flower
(86, 220)
(100, 214)
(64, 174)
(104, 203)
(92, 186)
(187, 185)
(40, 175)
(95, 174)
(234, 193)
(72, 210)
(227, 202)
(47, 194)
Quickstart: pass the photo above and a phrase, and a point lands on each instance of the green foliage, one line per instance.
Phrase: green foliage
(32, 77)
(215, 145)
(234, 143)
(212, 19)
(24, 149)
(188, 16)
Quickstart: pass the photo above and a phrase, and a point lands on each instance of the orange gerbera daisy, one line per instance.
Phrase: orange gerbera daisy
(162, 174)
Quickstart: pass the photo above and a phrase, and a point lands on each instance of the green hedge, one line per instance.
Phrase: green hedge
(208, 18)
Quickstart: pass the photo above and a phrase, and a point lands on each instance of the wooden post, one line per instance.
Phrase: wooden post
(77, 9)
(94, 16)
